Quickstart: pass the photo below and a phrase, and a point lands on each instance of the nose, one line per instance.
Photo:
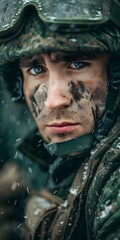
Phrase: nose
(58, 96)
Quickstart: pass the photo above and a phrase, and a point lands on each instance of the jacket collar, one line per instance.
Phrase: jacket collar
(58, 167)
(33, 147)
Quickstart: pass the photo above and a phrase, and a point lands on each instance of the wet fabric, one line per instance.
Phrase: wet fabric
(103, 39)
(37, 38)
(10, 12)
(92, 180)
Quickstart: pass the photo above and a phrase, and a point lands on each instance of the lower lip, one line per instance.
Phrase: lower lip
(63, 129)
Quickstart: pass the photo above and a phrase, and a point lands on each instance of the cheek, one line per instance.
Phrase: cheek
(99, 93)
(96, 82)
(101, 89)
(85, 107)
(81, 95)
(76, 90)
(40, 95)
(37, 99)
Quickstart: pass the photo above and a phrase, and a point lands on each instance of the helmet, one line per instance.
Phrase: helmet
(91, 26)
(81, 12)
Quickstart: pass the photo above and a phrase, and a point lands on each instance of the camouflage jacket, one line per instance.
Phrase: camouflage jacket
(63, 198)
(77, 197)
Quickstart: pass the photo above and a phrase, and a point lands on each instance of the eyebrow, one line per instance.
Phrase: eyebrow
(31, 62)
(59, 57)
(71, 56)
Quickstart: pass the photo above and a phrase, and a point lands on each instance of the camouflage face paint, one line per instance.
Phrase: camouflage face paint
(76, 96)
(38, 98)
(76, 91)
(34, 105)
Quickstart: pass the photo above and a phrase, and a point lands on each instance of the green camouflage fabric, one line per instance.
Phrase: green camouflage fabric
(107, 216)
(98, 206)
(37, 38)
(103, 200)
(92, 203)
(95, 196)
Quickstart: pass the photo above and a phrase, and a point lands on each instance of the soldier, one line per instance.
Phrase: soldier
(64, 59)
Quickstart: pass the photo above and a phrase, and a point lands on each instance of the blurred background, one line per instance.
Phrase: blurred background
(15, 122)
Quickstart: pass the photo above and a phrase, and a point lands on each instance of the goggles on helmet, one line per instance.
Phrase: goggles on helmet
(82, 12)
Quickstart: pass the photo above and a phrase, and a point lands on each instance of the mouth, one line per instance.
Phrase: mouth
(63, 127)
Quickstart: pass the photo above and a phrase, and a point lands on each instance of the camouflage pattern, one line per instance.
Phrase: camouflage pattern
(95, 194)
(108, 210)
(86, 196)
(49, 11)
(103, 200)
(37, 38)
(94, 197)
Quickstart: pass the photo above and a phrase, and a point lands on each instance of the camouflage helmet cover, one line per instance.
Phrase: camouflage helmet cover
(90, 12)
(37, 37)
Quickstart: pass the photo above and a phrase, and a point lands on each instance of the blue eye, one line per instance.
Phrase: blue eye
(36, 70)
(78, 65)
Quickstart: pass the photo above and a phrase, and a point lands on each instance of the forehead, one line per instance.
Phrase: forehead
(60, 56)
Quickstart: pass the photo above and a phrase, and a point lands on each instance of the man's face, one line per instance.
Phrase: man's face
(66, 92)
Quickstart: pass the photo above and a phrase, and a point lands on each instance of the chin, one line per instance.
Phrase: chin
(62, 137)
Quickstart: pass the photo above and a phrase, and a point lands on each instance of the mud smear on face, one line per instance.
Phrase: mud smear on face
(76, 91)
(95, 113)
(99, 97)
(34, 104)
(38, 98)
(59, 115)
(63, 135)
(98, 94)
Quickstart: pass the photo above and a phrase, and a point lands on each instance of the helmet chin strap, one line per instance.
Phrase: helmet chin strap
(79, 144)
